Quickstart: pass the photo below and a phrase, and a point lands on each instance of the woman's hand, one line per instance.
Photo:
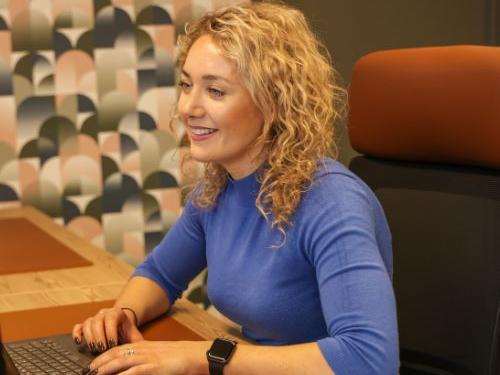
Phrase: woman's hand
(153, 358)
(106, 329)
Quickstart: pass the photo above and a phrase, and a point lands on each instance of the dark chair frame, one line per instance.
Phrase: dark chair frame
(455, 297)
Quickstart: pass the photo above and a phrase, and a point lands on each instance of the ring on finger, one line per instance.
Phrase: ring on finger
(128, 352)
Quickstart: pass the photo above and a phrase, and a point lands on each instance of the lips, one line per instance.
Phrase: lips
(202, 131)
(199, 133)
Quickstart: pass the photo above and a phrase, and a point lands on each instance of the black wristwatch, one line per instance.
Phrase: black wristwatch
(219, 355)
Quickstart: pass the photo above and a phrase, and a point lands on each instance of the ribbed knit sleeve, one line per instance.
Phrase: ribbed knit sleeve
(179, 257)
(357, 299)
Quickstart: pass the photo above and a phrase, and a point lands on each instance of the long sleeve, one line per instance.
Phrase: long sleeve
(343, 242)
(329, 282)
(179, 257)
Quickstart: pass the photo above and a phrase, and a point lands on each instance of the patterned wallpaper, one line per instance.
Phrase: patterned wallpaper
(86, 94)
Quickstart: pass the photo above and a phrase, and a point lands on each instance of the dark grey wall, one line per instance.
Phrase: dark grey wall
(353, 28)
(495, 21)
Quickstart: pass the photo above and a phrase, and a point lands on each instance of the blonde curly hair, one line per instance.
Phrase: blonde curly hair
(289, 75)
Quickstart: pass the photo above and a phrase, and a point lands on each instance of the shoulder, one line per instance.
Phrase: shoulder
(337, 195)
(340, 211)
(333, 183)
(192, 212)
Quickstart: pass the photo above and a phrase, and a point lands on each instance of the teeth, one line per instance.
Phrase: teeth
(202, 131)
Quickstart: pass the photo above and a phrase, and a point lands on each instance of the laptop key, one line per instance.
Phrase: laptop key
(45, 357)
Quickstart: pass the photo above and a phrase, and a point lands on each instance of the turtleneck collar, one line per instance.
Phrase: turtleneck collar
(245, 189)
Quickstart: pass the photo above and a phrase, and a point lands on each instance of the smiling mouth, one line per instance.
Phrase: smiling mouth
(202, 131)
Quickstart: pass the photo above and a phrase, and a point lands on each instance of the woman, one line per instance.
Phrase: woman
(297, 247)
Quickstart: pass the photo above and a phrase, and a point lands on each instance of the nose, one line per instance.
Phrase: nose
(190, 104)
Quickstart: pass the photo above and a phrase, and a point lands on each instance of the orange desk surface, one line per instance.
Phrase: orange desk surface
(27, 324)
(23, 240)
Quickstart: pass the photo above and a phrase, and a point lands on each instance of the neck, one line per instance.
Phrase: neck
(241, 170)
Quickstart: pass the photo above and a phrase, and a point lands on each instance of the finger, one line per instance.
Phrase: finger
(98, 332)
(77, 333)
(122, 365)
(111, 324)
(87, 334)
(121, 351)
(116, 360)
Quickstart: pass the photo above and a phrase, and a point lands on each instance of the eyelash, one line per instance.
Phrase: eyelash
(212, 90)
(216, 92)
(184, 85)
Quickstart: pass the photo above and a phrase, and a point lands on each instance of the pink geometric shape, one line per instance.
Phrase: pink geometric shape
(171, 200)
(86, 227)
(71, 66)
(8, 125)
(126, 82)
(28, 175)
(88, 85)
(110, 142)
(5, 47)
(133, 245)
(17, 7)
(80, 167)
(132, 162)
(164, 37)
(80, 145)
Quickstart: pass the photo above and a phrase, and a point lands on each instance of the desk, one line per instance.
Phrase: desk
(94, 286)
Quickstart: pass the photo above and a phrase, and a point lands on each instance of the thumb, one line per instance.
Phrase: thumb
(134, 334)
(130, 332)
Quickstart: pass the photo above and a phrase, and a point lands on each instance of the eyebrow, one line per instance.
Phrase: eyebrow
(209, 77)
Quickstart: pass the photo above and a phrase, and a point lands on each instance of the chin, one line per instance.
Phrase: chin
(201, 157)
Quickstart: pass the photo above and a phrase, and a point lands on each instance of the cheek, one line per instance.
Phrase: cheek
(246, 119)
(241, 131)
(254, 124)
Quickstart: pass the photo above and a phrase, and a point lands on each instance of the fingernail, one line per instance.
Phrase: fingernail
(111, 343)
(93, 372)
(93, 348)
(77, 340)
(101, 347)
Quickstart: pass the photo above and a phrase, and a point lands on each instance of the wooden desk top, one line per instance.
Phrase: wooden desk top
(30, 290)
(98, 283)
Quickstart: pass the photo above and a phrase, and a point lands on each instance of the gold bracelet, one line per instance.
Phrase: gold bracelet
(133, 313)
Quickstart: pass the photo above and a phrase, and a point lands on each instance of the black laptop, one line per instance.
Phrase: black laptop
(46, 355)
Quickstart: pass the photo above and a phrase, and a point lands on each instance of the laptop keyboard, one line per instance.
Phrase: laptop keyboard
(43, 357)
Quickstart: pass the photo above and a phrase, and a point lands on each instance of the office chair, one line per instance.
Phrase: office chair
(427, 123)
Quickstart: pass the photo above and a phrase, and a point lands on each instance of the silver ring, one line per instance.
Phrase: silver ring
(128, 352)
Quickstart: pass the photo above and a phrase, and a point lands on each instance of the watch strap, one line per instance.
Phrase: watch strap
(215, 368)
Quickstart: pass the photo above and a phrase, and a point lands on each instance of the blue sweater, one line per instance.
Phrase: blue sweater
(330, 282)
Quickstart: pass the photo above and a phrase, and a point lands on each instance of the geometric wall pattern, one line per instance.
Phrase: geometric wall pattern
(87, 89)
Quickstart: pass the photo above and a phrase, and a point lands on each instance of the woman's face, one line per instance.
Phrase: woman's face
(220, 117)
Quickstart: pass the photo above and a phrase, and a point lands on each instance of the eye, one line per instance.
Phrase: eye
(216, 92)
(184, 86)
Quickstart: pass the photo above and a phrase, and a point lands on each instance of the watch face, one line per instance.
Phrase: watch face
(221, 350)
